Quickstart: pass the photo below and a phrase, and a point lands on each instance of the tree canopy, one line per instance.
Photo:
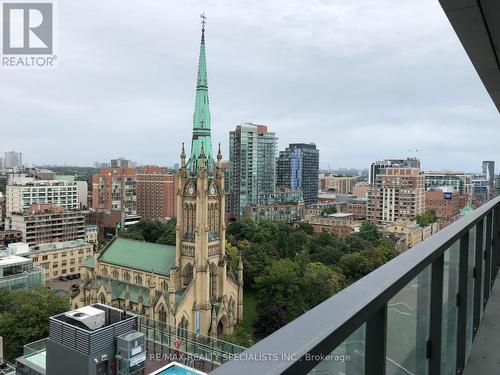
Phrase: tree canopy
(328, 210)
(291, 269)
(426, 218)
(152, 231)
(24, 317)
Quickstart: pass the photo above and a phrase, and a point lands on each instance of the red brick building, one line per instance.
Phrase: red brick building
(446, 205)
(156, 196)
(115, 189)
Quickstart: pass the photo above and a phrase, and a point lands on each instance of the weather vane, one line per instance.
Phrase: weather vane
(203, 20)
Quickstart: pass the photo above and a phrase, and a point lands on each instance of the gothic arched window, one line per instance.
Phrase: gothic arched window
(213, 281)
(162, 314)
(138, 279)
(187, 275)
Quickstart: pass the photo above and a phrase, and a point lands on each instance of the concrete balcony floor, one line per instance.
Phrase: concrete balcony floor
(485, 356)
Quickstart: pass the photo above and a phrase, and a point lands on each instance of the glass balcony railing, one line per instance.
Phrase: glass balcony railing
(418, 314)
(34, 353)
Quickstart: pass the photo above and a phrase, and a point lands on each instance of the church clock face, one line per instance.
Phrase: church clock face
(212, 190)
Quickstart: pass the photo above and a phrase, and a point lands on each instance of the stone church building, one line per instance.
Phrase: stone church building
(188, 285)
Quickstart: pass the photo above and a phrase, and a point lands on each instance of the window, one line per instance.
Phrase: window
(138, 279)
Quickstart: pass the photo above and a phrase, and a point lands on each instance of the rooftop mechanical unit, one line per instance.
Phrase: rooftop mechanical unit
(131, 352)
(90, 317)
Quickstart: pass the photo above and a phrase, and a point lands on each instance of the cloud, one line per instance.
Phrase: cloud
(364, 80)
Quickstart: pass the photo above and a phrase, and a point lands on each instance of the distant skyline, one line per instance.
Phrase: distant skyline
(363, 80)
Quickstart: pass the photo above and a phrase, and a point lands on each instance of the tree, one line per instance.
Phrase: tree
(328, 210)
(319, 283)
(270, 319)
(306, 227)
(233, 256)
(169, 233)
(132, 235)
(152, 231)
(255, 261)
(426, 218)
(238, 337)
(369, 232)
(354, 243)
(24, 317)
(354, 266)
(280, 285)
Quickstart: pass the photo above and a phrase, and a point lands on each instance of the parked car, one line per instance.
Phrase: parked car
(76, 276)
(75, 286)
(70, 277)
(63, 278)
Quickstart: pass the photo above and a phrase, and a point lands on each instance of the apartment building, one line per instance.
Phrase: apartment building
(156, 193)
(297, 168)
(397, 194)
(24, 192)
(115, 189)
(252, 173)
(61, 258)
(48, 223)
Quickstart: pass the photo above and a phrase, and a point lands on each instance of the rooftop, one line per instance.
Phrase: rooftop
(12, 260)
(59, 246)
(140, 255)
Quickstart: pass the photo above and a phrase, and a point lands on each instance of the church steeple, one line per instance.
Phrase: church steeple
(201, 116)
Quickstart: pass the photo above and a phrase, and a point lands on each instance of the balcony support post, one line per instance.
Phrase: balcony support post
(436, 316)
(463, 270)
(478, 276)
(376, 342)
(487, 259)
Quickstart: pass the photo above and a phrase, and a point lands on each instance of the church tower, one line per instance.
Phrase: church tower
(200, 252)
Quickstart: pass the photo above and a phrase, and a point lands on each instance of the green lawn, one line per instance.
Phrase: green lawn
(249, 310)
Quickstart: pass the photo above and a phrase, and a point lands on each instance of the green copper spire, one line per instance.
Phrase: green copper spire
(201, 117)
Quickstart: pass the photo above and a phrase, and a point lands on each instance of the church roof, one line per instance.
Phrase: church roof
(90, 262)
(140, 255)
(119, 290)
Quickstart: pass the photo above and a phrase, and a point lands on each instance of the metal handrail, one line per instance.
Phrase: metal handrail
(325, 327)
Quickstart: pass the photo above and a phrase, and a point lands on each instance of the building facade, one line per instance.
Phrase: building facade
(337, 184)
(378, 166)
(115, 189)
(489, 171)
(191, 285)
(19, 273)
(13, 159)
(447, 205)
(340, 224)
(61, 258)
(397, 194)
(19, 196)
(297, 168)
(252, 173)
(48, 223)
(156, 193)
(459, 181)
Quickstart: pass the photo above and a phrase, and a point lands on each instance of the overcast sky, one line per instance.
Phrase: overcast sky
(364, 80)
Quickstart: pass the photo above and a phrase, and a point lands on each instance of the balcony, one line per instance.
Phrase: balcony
(431, 310)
